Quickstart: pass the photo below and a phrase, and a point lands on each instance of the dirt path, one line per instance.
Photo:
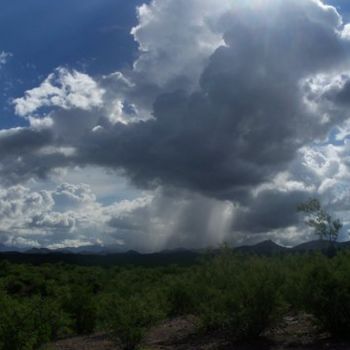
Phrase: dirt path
(93, 342)
(295, 332)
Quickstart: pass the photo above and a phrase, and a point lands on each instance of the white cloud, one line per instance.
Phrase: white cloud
(176, 39)
(64, 89)
(68, 215)
(4, 57)
(324, 171)
(71, 243)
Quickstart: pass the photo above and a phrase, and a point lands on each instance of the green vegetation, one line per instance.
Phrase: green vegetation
(237, 295)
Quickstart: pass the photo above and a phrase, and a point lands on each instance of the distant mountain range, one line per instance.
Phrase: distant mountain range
(264, 248)
(99, 255)
(270, 247)
(90, 249)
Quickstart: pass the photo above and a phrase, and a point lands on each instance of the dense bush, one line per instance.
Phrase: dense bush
(181, 297)
(327, 293)
(129, 318)
(26, 324)
(81, 305)
(241, 296)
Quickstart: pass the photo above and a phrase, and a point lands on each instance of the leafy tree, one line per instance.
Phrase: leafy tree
(320, 220)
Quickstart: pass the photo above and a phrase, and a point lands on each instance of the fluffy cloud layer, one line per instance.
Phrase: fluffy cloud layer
(70, 215)
(224, 105)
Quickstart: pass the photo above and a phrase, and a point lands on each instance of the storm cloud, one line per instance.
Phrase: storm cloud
(220, 105)
(247, 119)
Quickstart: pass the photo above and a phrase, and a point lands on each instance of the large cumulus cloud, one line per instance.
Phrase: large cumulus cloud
(225, 100)
(247, 119)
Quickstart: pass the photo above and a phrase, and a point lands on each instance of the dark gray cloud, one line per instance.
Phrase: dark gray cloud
(270, 210)
(248, 118)
(229, 122)
(20, 141)
(20, 168)
(22, 157)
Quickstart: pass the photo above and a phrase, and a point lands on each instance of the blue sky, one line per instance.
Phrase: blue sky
(171, 123)
(91, 35)
(343, 7)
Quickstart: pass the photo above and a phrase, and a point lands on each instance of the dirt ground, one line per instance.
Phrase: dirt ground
(295, 332)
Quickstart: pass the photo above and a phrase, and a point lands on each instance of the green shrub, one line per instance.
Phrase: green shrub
(181, 298)
(293, 270)
(241, 299)
(129, 318)
(27, 324)
(83, 310)
(327, 293)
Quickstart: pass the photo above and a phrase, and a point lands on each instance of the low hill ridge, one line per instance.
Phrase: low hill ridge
(165, 257)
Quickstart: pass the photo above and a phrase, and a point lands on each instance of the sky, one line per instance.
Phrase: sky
(171, 123)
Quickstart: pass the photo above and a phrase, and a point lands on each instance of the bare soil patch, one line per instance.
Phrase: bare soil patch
(294, 332)
(91, 342)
